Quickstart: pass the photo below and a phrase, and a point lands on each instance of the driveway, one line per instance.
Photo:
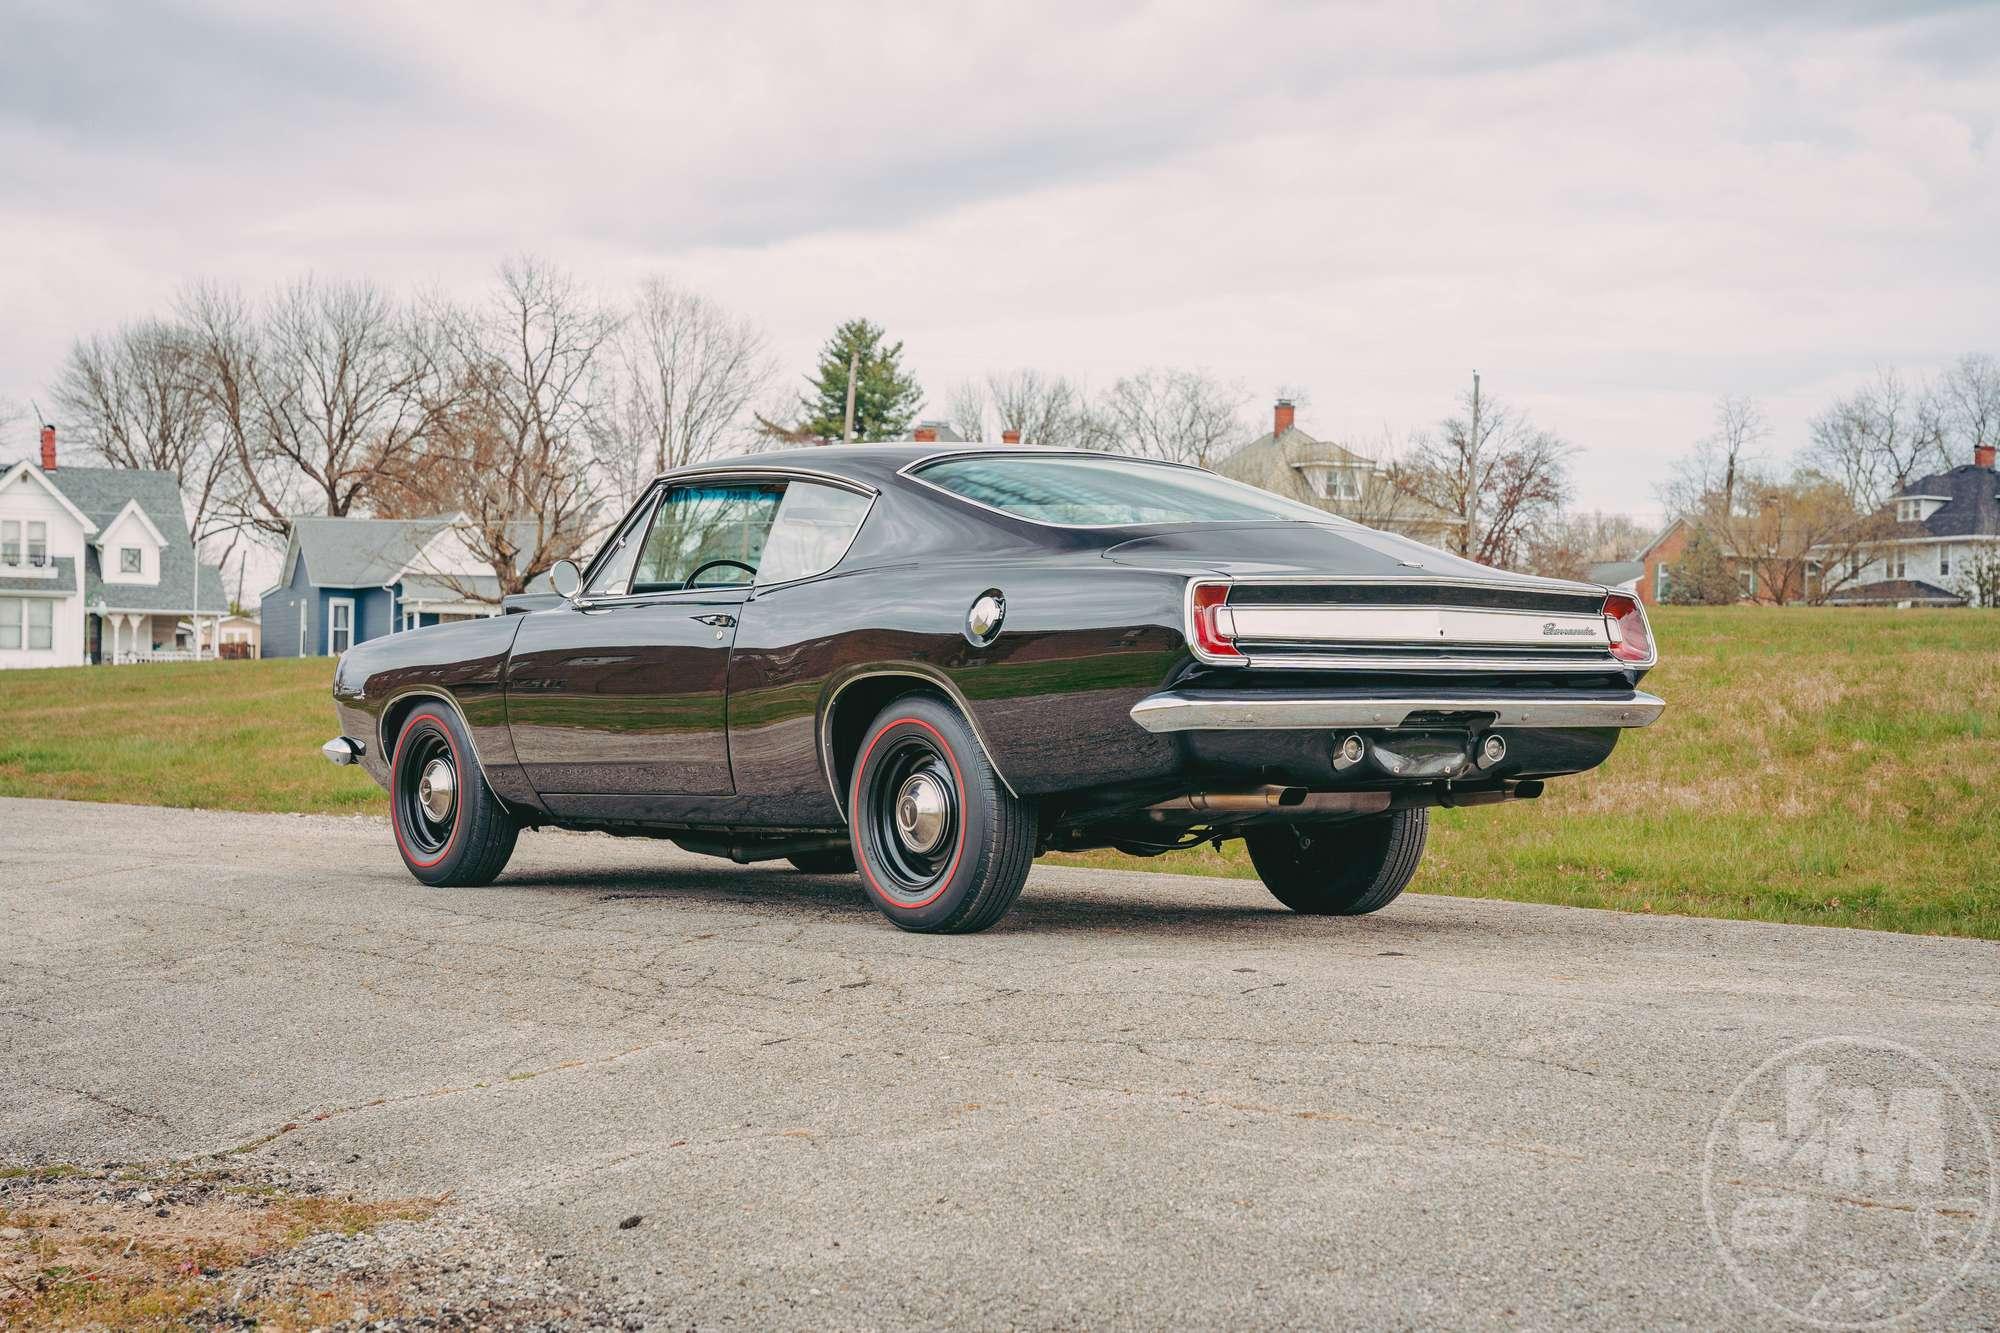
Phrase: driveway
(1142, 1100)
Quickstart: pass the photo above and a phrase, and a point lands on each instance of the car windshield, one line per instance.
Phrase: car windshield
(1099, 490)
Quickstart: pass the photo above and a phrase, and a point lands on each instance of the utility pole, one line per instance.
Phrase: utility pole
(853, 370)
(1471, 474)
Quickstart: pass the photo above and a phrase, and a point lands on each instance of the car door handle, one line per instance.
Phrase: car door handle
(719, 621)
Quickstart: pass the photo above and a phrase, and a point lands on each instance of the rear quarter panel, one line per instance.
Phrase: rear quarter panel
(1083, 640)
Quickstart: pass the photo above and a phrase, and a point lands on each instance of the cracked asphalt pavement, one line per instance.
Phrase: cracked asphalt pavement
(1142, 1100)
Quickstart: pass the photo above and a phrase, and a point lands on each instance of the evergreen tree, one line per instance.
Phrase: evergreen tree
(1703, 576)
(886, 397)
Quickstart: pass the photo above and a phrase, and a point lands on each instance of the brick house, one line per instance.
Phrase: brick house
(1655, 576)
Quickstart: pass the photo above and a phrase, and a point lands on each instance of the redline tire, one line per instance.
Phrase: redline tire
(959, 860)
(1348, 868)
(470, 843)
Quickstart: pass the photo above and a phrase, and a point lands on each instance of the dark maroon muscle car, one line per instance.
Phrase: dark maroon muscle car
(927, 665)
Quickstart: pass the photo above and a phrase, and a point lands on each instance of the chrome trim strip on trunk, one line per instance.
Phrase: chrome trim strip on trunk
(1445, 625)
(1171, 711)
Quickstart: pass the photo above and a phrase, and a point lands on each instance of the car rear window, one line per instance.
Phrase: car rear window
(1100, 490)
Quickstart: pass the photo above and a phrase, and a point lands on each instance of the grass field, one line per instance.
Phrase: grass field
(1833, 767)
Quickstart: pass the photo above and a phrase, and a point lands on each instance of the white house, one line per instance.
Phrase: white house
(1943, 524)
(96, 565)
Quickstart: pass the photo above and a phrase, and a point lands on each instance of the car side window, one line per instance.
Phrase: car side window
(614, 571)
(708, 535)
(814, 527)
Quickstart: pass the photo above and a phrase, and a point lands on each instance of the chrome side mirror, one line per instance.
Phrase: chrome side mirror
(566, 579)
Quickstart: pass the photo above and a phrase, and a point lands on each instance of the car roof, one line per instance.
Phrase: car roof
(870, 463)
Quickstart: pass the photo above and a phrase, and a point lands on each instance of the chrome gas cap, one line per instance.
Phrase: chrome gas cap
(982, 619)
(435, 790)
(921, 808)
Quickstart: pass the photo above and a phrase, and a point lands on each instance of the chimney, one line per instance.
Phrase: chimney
(1982, 455)
(1014, 437)
(1281, 417)
(925, 434)
(49, 448)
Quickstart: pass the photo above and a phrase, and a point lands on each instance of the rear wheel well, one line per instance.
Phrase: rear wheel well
(854, 708)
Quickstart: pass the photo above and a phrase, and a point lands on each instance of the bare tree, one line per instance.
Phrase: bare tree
(1969, 395)
(1978, 578)
(510, 449)
(1052, 409)
(136, 398)
(684, 373)
(1490, 468)
(1567, 546)
(1878, 439)
(224, 332)
(1801, 536)
(11, 416)
(965, 409)
(315, 394)
(1183, 416)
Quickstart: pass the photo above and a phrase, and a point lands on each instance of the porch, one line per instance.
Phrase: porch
(126, 638)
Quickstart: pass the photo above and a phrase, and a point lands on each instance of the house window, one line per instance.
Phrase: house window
(339, 625)
(38, 543)
(1746, 582)
(10, 622)
(302, 627)
(128, 560)
(1944, 562)
(10, 542)
(1899, 564)
(1663, 581)
(41, 624)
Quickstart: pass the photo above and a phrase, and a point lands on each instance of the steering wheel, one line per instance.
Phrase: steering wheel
(695, 577)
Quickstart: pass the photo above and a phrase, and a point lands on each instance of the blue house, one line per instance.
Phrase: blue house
(348, 580)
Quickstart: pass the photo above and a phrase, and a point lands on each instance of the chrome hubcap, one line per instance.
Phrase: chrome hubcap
(435, 790)
(921, 807)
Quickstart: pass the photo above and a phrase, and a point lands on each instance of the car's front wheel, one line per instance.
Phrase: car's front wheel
(450, 827)
(1340, 869)
(941, 843)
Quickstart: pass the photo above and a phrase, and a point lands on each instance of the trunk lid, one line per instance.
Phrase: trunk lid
(1307, 595)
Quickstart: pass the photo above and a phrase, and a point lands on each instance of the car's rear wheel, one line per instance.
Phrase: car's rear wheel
(838, 861)
(450, 827)
(1340, 869)
(942, 845)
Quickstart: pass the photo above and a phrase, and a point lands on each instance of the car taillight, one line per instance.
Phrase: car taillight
(1214, 626)
(1631, 636)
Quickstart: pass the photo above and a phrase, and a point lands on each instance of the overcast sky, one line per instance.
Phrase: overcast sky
(1613, 215)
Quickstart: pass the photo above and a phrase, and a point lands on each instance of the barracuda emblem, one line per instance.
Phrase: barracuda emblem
(1552, 628)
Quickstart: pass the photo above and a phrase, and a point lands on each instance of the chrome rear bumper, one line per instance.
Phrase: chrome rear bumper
(1171, 711)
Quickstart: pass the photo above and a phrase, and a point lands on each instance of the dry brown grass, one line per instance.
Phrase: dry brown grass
(81, 1251)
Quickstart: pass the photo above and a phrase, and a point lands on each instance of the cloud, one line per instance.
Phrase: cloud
(1615, 215)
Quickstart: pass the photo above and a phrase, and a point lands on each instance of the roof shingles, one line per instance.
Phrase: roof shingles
(101, 493)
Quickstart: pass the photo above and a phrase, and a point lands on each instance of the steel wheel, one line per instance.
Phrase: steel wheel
(426, 791)
(913, 815)
(449, 826)
(940, 842)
